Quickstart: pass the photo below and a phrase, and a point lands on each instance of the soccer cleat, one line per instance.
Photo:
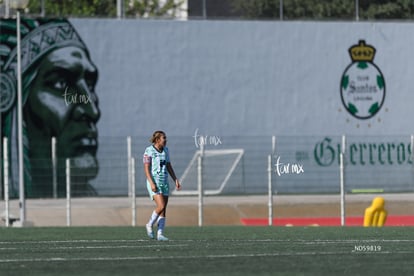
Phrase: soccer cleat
(150, 232)
(161, 237)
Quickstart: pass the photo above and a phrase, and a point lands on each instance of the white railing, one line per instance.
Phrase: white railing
(295, 165)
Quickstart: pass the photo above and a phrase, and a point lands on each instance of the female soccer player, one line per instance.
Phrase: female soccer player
(157, 166)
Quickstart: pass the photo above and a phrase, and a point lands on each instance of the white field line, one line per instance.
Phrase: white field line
(201, 240)
(94, 247)
(72, 241)
(147, 243)
(132, 258)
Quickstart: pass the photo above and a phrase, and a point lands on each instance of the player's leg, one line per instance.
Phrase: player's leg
(154, 216)
(162, 202)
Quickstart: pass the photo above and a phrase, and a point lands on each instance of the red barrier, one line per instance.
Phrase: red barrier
(325, 221)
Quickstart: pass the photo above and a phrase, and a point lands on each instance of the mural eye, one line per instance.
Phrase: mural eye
(91, 87)
(60, 84)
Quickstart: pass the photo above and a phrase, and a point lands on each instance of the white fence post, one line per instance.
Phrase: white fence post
(357, 10)
(22, 195)
(129, 156)
(281, 9)
(200, 185)
(6, 179)
(68, 194)
(54, 168)
(270, 202)
(133, 206)
(119, 9)
(342, 179)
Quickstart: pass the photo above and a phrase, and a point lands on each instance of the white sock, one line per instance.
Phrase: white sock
(161, 225)
(153, 218)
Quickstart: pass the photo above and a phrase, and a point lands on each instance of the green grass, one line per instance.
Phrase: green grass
(207, 251)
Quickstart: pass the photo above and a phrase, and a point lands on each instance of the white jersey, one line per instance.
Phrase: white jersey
(158, 161)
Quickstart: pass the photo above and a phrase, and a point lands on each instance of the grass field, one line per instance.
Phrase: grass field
(208, 251)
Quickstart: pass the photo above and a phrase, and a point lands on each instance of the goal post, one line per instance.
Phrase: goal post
(217, 168)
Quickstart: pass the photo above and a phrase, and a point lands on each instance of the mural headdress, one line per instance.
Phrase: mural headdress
(38, 38)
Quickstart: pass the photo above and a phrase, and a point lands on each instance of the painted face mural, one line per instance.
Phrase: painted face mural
(59, 100)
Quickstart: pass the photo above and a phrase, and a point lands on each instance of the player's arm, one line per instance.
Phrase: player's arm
(147, 170)
(172, 174)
